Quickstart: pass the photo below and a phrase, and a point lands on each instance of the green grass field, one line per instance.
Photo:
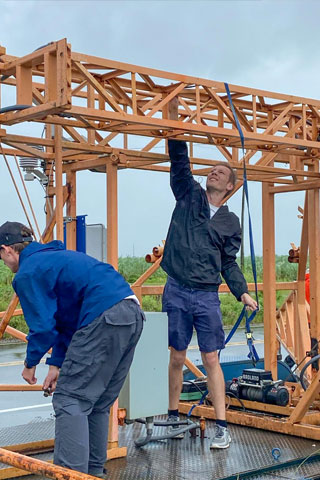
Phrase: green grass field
(133, 267)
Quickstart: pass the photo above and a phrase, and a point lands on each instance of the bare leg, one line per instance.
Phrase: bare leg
(216, 385)
(176, 363)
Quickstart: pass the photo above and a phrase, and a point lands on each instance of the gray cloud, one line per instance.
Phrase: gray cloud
(264, 44)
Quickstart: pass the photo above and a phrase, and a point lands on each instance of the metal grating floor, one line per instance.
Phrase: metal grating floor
(186, 459)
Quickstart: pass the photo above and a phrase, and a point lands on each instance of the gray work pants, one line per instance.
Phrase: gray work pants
(92, 374)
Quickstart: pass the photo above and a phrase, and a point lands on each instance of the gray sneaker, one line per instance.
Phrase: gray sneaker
(221, 438)
(173, 428)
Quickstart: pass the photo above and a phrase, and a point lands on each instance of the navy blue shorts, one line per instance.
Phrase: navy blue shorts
(188, 308)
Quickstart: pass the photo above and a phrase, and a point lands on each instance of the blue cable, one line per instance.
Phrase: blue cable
(253, 355)
(201, 401)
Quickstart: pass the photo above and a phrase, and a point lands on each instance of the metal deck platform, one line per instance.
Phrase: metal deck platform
(250, 452)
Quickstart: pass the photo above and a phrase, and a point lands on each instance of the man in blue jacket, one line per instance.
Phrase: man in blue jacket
(87, 313)
(202, 243)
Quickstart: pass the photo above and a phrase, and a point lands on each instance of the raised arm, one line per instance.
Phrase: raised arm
(181, 179)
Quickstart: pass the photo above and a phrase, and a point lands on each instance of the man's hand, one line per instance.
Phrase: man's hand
(28, 374)
(249, 301)
(173, 109)
(50, 382)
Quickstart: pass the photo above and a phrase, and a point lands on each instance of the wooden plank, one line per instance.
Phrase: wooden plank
(254, 112)
(223, 107)
(71, 226)
(302, 319)
(153, 122)
(16, 334)
(98, 87)
(58, 182)
(63, 74)
(166, 100)
(20, 388)
(147, 274)
(112, 258)
(265, 422)
(269, 280)
(116, 452)
(308, 397)
(8, 314)
(24, 85)
(18, 311)
(111, 64)
(33, 59)
(192, 367)
(296, 188)
(39, 467)
(32, 113)
(134, 93)
(314, 261)
(50, 72)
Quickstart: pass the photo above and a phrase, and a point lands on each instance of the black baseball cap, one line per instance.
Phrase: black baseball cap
(12, 232)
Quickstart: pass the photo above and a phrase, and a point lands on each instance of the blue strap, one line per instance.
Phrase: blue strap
(235, 116)
(252, 254)
(201, 401)
(253, 355)
(236, 325)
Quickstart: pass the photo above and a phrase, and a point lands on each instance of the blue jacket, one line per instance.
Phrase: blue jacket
(61, 291)
(199, 248)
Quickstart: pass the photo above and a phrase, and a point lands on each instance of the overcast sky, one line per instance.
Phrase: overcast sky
(269, 45)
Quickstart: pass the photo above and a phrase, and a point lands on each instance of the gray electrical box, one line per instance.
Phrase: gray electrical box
(96, 241)
(145, 391)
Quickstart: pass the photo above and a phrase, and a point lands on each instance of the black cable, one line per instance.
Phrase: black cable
(313, 359)
(306, 356)
(42, 46)
(12, 108)
(239, 399)
(193, 382)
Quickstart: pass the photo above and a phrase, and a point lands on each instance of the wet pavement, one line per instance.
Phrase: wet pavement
(18, 408)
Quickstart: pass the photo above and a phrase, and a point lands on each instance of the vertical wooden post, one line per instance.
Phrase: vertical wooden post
(50, 75)
(314, 261)
(269, 281)
(235, 154)
(301, 321)
(90, 104)
(254, 113)
(49, 173)
(112, 214)
(314, 251)
(134, 93)
(112, 258)
(58, 181)
(24, 85)
(198, 103)
(125, 135)
(71, 225)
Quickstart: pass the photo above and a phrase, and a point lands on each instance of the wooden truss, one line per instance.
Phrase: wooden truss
(93, 110)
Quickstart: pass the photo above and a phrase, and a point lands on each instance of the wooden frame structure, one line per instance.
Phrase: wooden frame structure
(91, 109)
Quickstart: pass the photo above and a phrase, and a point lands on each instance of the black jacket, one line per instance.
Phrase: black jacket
(198, 249)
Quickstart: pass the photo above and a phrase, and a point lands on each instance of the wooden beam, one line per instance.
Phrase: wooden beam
(58, 182)
(269, 281)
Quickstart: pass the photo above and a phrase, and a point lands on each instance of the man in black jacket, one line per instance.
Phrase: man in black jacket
(202, 243)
